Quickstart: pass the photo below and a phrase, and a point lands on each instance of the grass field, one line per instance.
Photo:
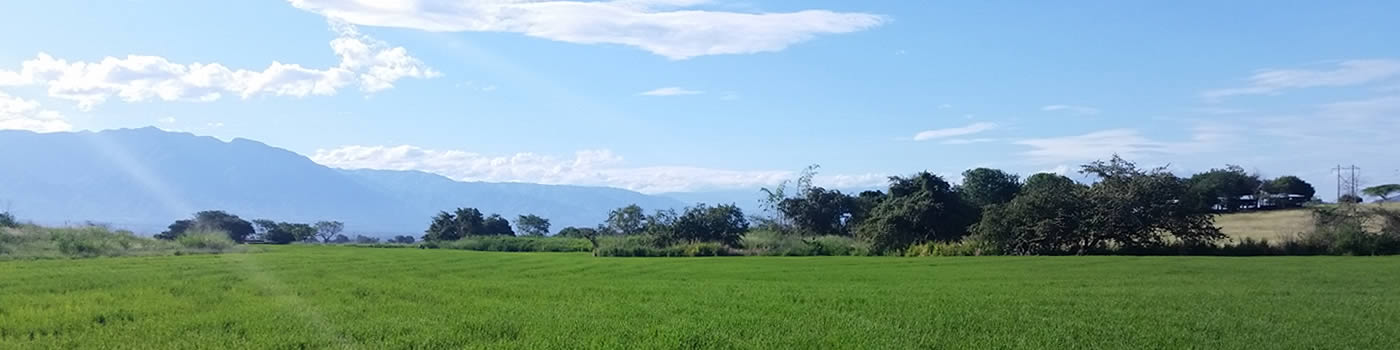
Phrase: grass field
(1273, 225)
(343, 297)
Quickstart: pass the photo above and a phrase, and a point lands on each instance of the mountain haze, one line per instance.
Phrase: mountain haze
(143, 179)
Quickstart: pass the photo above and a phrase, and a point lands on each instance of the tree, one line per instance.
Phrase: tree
(443, 228)
(724, 224)
(495, 225)
(1299, 191)
(1223, 188)
(404, 239)
(1046, 218)
(212, 220)
(338, 239)
(628, 220)
(577, 232)
(8, 220)
(284, 233)
(773, 198)
(362, 239)
(531, 225)
(1349, 199)
(919, 208)
(328, 229)
(468, 222)
(1133, 208)
(1382, 191)
(818, 212)
(983, 186)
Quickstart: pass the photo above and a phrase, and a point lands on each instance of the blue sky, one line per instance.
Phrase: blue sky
(708, 95)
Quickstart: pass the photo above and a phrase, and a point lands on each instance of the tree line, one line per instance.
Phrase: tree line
(268, 231)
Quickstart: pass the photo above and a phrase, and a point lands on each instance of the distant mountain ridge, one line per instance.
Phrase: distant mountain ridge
(143, 179)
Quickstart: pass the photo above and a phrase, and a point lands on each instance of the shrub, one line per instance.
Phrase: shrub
(8, 220)
(966, 247)
(206, 241)
(514, 244)
(31, 241)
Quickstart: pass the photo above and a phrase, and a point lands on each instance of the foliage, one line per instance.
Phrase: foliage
(339, 239)
(724, 224)
(329, 229)
(647, 246)
(775, 243)
(465, 222)
(1291, 185)
(773, 198)
(31, 242)
(1132, 207)
(207, 241)
(532, 225)
(1349, 230)
(1223, 188)
(577, 232)
(966, 247)
(402, 239)
(362, 239)
(1048, 217)
(284, 232)
(211, 220)
(514, 244)
(818, 211)
(495, 225)
(919, 208)
(982, 186)
(1349, 199)
(8, 220)
(628, 220)
(1382, 191)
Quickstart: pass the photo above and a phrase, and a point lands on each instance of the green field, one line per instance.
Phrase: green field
(345, 297)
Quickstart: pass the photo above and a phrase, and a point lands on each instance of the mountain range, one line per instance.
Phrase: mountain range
(143, 179)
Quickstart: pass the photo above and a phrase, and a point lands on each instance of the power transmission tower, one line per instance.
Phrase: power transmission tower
(1347, 183)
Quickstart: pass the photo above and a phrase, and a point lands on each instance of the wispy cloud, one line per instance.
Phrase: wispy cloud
(967, 141)
(1125, 142)
(588, 167)
(370, 63)
(671, 91)
(1345, 73)
(951, 132)
(1080, 110)
(671, 28)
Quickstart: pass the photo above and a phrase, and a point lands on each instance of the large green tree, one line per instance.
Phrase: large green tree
(496, 225)
(1133, 207)
(1046, 218)
(628, 220)
(983, 186)
(1223, 188)
(328, 229)
(532, 225)
(819, 211)
(1299, 191)
(920, 208)
(724, 224)
(212, 220)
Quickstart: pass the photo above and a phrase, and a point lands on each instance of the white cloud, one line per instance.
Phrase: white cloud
(1124, 142)
(1347, 73)
(671, 91)
(590, 167)
(671, 28)
(22, 114)
(950, 132)
(1081, 110)
(136, 78)
(967, 141)
(167, 120)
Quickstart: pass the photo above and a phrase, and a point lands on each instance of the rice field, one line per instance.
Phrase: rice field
(324, 297)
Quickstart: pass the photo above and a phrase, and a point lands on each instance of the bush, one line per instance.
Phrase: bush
(206, 241)
(8, 220)
(966, 247)
(514, 244)
(774, 243)
(30, 241)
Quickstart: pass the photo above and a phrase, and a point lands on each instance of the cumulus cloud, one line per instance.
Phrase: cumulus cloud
(951, 132)
(1081, 110)
(589, 167)
(1346, 73)
(22, 114)
(676, 29)
(135, 78)
(671, 91)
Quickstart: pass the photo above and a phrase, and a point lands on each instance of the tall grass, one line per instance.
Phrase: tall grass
(774, 243)
(37, 242)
